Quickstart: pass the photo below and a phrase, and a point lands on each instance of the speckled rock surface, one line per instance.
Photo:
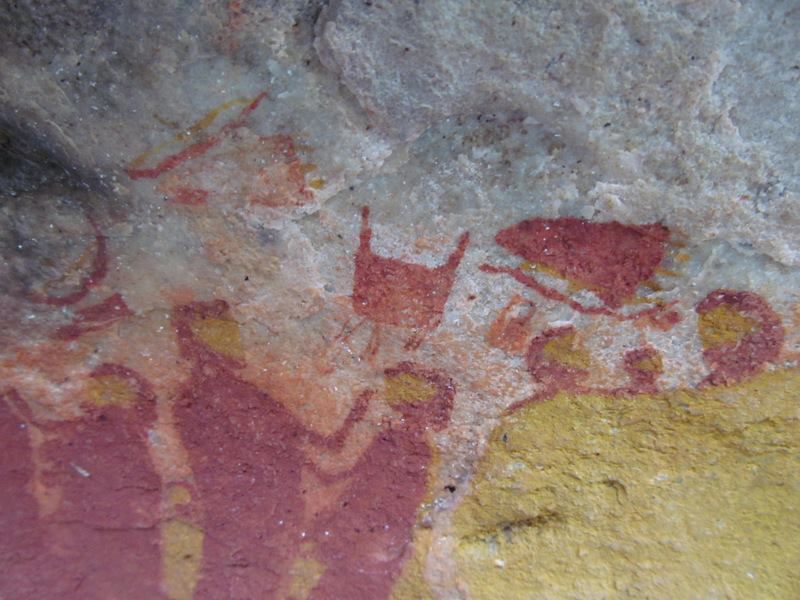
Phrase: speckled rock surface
(401, 300)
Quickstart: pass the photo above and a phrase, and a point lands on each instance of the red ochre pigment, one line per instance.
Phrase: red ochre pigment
(97, 273)
(102, 539)
(610, 259)
(94, 318)
(245, 452)
(743, 358)
(392, 292)
(364, 539)
(22, 540)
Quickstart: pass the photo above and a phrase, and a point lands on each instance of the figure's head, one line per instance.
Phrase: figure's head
(422, 396)
(206, 331)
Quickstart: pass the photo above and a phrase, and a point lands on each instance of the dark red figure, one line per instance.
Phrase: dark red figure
(610, 259)
(744, 356)
(392, 292)
(102, 539)
(365, 538)
(22, 539)
(245, 453)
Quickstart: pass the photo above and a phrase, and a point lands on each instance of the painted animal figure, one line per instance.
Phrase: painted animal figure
(610, 259)
(388, 291)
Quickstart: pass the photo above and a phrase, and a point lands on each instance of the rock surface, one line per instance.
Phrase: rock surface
(438, 299)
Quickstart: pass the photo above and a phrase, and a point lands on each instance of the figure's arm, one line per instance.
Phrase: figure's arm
(338, 453)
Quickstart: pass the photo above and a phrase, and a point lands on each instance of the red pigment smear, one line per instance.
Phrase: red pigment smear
(734, 362)
(398, 293)
(189, 196)
(94, 318)
(611, 258)
(245, 451)
(365, 538)
(96, 275)
(198, 148)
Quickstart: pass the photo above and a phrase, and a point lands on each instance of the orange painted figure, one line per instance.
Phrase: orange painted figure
(388, 291)
(609, 259)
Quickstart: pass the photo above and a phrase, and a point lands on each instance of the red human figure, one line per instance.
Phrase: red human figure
(610, 259)
(740, 333)
(100, 540)
(364, 539)
(392, 292)
(245, 455)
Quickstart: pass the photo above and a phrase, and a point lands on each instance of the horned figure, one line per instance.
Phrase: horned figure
(388, 291)
(609, 259)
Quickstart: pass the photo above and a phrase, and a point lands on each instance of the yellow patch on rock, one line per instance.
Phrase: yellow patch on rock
(685, 494)
(221, 335)
(110, 390)
(724, 326)
(568, 351)
(304, 573)
(182, 558)
(408, 389)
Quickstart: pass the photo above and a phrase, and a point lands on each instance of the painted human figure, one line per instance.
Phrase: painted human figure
(364, 538)
(244, 449)
(98, 530)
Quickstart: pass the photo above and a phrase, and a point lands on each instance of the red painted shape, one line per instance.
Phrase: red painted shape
(198, 148)
(734, 362)
(94, 318)
(643, 380)
(610, 258)
(96, 275)
(105, 535)
(364, 539)
(393, 292)
(245, 451)
(102, 540)
(189, 196)
(22, 541)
